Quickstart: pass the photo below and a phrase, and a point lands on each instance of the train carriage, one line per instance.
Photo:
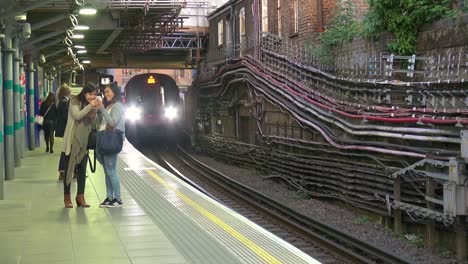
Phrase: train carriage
(152, 106)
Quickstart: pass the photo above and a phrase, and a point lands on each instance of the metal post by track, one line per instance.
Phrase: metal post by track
(31, 114)
(2, 157)
(8, 101)
(16, 103)
(48, 80)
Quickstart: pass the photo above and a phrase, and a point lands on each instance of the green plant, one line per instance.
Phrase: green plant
(414, 239)
(361, 220)
(322, 53)
(403, 18)
(445, 253)
(300, 195)
(343, 27)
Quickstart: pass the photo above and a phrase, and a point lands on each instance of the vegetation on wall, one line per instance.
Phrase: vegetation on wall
(343, 27)
(403, 18)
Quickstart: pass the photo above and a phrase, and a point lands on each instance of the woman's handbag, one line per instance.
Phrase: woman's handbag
(92, 165)
(38, 119)
(110, 142)
(92, 138)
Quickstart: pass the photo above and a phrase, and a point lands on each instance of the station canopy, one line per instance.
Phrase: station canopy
(121, 34)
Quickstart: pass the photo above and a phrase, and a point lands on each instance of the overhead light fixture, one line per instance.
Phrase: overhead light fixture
(81, 27)
(78, 36)
(80, 47)
(81, 51)
(87, 10)
(26, 32)
(21, 17)
(86, 61)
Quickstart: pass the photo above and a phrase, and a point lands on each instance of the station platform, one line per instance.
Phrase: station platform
(163, 220)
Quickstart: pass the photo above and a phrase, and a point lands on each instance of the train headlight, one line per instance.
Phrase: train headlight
(170, 112)
(133, 113)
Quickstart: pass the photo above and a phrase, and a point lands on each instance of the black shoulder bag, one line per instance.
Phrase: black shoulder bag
(92, 146)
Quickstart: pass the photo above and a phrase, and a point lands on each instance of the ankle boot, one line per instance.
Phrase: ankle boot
(80, 201)
(67, 201)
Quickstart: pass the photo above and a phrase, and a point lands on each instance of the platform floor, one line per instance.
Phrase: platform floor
(162, 220)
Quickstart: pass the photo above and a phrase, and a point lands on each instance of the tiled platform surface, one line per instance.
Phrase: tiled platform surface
(162, 221)
(36, 228)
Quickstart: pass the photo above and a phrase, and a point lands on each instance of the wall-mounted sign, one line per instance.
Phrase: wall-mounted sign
(151, 80)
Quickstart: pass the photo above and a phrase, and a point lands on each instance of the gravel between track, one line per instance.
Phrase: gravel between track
(339, 217)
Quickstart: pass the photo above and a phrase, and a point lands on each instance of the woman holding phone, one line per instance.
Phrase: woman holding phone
(81, 117)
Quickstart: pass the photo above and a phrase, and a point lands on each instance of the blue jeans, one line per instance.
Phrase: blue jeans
(109, 163)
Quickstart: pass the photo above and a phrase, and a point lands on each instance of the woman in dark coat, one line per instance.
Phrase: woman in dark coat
(63, 98)
(49, 111)
(62, 117)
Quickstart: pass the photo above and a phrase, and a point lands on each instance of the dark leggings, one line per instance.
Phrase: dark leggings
(80, 176)
(49, 130)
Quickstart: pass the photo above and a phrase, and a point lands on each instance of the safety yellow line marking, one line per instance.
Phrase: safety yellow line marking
(234, 233)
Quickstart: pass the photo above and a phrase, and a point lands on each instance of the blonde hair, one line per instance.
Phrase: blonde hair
(63, 91)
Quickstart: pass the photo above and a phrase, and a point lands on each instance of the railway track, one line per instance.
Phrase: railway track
(324, 243)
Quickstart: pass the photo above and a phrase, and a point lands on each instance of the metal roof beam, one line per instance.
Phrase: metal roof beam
(12, 12)
(56, 52)
(45, 45)
(44, 37)
(49, 21)
(109, 40)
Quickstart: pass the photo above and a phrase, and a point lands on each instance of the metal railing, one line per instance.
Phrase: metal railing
(369, 67)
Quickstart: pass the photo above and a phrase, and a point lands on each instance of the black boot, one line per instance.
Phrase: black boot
(51, 145)
(46, 139)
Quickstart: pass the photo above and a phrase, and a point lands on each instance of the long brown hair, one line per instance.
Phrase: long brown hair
(50, 100)
(64, 91)
(117, 94)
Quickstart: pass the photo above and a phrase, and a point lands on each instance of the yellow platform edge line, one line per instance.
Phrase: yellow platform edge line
(230, 230)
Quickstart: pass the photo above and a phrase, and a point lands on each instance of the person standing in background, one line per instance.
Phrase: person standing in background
(49, 111)
(62, 117)
(63, 97)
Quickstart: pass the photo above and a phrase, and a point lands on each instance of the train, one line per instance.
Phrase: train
(153, 108)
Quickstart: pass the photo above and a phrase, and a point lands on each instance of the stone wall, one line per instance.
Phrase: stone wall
(442, 50)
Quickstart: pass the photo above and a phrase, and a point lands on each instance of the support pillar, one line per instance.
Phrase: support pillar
(16, 103)
(430, 226)
(45, 86)
(31, 114)
(8, 101)
(2, 157)
(398, 227)
(460, 228)
(59, 77)
(22, 104)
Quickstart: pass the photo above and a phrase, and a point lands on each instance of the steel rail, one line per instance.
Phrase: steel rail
(334, 239)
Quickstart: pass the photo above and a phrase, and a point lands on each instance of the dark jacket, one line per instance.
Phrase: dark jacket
(51, 115)
(62, 117)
